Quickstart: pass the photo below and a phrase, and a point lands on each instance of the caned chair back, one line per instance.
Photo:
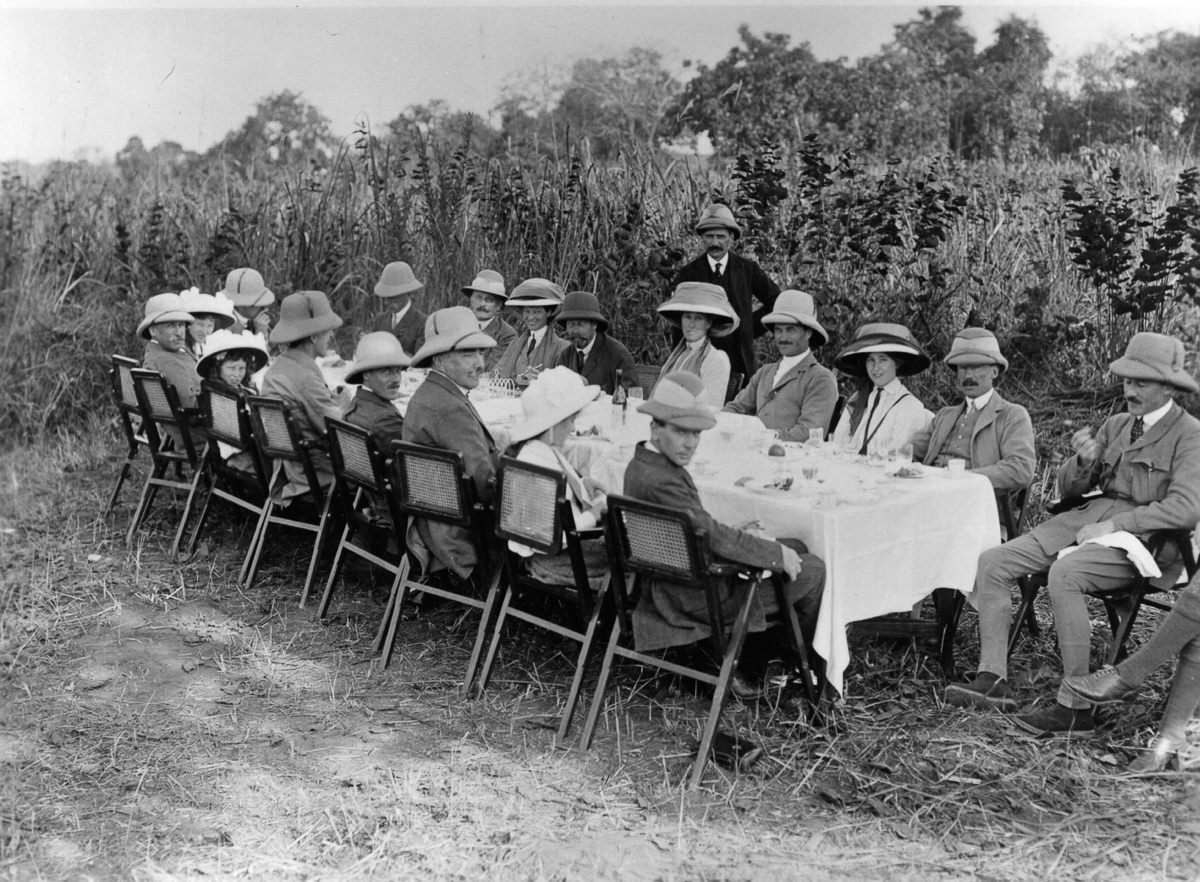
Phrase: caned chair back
(277, 436)
(355, 457)
(530, 505)
(225, 414)
(124, 392)
(162, 414)
(734, 386)
(657, 541)
(431, 482)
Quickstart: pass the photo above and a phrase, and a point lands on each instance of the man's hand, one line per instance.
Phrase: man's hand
(1086, 447)
(599, 505)
(261, 323)
(791, 562)
(1091, 531)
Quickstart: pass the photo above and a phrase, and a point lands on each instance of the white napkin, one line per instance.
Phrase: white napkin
(1138, 554)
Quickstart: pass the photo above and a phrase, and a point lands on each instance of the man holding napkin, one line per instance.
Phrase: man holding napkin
(1138, 474)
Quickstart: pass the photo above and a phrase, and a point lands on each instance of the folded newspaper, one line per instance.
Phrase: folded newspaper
(1139, 555)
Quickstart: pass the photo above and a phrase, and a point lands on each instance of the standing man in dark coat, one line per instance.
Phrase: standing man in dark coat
(750, 290)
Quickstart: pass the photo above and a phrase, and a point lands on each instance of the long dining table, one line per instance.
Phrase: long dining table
(887, 537)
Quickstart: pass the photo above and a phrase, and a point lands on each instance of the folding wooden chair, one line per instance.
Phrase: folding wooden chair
(227, 421)
(168, 428)
(278, 440)
(129, 412)
(647, 376)
(654, 541)
(1121, 604)
(431, 483)
(361, 485)
(734, 386)
(532, 509)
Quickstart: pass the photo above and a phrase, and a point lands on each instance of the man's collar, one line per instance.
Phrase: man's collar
(721, 264)
(466, 392)
(1149, 419)
(539, 334)
(587, 350)
(787, 362)
(399, 314)
(981, 402)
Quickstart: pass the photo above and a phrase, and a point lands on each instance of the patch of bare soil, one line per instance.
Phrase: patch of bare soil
(157, 722)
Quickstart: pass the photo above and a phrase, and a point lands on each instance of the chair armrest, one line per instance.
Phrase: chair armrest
(590, 533)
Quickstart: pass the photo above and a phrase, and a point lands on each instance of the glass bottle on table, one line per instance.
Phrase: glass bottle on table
(620, 401)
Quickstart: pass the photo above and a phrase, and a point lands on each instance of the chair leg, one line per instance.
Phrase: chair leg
(589, 726)
(948, 604)
(1122, 617)
(327, 594)
(1024, 615)
(721, 690)
(116, 492)
(485, 672)
(385, 620)
(323, 525)
(589, 637)
(149, 490)
(394, 622)
(257, 542)
(187, 511)
(190, 547)
(485, 620)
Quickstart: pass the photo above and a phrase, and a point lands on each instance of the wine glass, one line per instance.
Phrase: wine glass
(904, 454)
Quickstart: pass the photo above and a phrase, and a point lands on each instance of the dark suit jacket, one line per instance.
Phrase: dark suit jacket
(606, 358)
(1001, 443)
(410, 330)
(440, 415)
(744, 282)
(378, 416)
(503, 333)
(1153, 484)
(669, 614)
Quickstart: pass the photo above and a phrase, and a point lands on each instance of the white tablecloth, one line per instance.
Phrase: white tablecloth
(886, 541)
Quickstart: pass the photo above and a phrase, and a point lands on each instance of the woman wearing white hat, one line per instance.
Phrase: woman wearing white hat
(209, 313)
(888, 415)
(550, 405)
(232, 359)
(537, 346)
(701, 311)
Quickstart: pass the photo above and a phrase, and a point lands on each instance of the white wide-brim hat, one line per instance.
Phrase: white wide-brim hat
(449, 330)
(246, 288)
(487, 282)
(536, 292)
(1157, 357)
(554, 396)
(218, 307)
(304, 314)
(894, 340)
(222, 342)
(976, 346)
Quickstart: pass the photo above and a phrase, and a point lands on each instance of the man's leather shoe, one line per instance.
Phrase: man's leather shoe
(1163, 753)
(1100, 687)
(1058, 721)
(983, 690)
(743, 689)
(736, 753)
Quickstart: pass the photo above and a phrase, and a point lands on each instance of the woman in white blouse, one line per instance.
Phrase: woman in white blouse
(884, 415)
(550, 404)
(701, 311)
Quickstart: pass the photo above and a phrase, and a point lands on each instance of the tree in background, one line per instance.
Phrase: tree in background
(284, 130)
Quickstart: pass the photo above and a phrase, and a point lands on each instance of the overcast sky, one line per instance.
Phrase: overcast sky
(85, 77)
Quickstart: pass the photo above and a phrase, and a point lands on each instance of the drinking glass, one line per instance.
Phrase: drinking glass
(636, 393)
(815, 437)
(810, 469)
(904, 454)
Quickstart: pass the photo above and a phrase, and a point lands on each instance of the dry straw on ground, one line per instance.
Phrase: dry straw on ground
(158, 723)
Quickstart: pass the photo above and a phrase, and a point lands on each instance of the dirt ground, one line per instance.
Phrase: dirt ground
(157, 722)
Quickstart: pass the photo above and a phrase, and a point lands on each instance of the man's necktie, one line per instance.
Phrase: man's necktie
(718, 274)
(875, 396)
(529, 348)
(1136, 430)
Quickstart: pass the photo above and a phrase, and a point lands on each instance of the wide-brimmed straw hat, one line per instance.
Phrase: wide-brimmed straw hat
(1157, 357)
(450, 330)
(219, 308)
(976, 346)
(717, 216)
(677, 400)
(894, 340)
(488, 282)
(552, 397)
(163, 308)
(246, 288)
(582, 306)
(397, 278)
(304, 314)
(379, 349)
(706, 299)
(536, 292)
(222, 343)
(794, 307)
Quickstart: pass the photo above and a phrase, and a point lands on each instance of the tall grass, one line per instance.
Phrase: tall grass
(931, 243)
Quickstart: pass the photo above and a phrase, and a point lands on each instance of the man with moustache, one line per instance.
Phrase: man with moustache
(379, 363)
(993, 436)
(441, 415)
(592, 353)
(1139, 473)
(750, 290)
(794, 395)
(487, 298)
